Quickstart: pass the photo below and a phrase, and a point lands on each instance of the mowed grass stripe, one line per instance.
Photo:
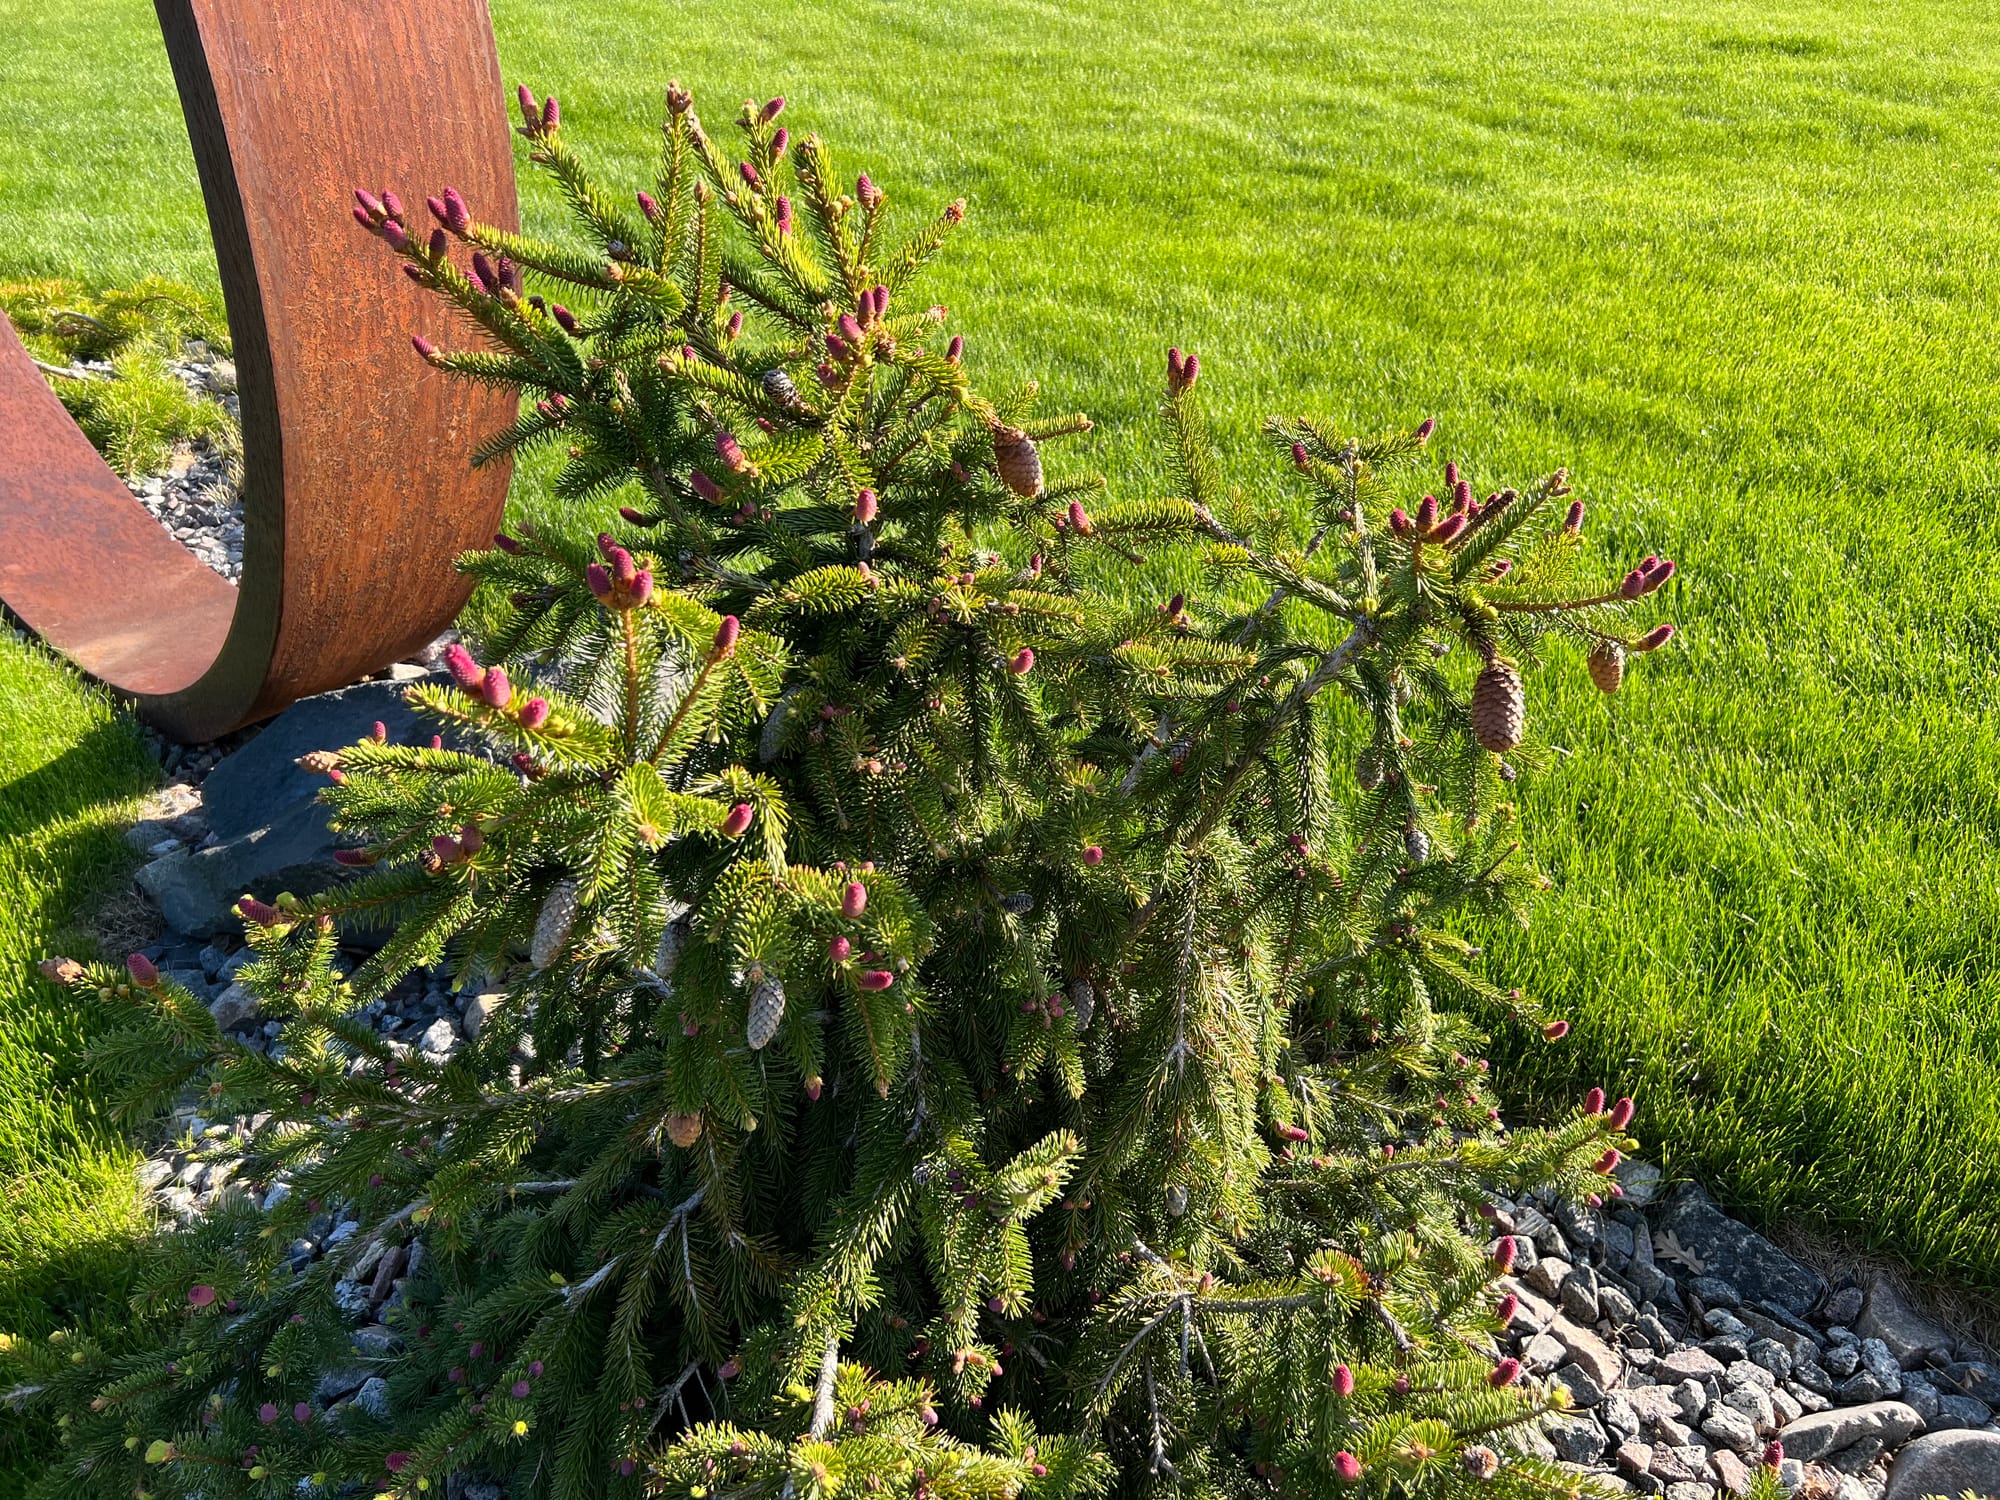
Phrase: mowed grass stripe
(1735, 264)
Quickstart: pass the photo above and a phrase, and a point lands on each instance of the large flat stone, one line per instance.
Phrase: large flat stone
(1888, 1316)
(1738, 1255)
(1946, 1463)
(265, 812)
(1826, 1432)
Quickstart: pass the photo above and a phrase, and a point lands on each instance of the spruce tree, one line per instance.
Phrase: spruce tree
(970, 1026)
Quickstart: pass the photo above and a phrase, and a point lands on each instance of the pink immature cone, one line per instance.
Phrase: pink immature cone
(1555, 1031)
(267, 1413)
(1424, 430)
(733, 332)
(302, 1413)
(1079, 518)
(1301, 459)
(705, 487)
(725, 638)
(850, 330)
(370, 209)
(353, 858)
(881, 298)
(865, 190)
(1093, 854)
(738, 822)
(1427, 513)
(531, 109)
(426, 350)
(1505, 1309)
(1653, 639)
(201, 1296)
(142, 969)
(1573, 522)
(1399, 522)
(598, 578)
(551, 114)
(838, 949)
(783, 214)
(875, 979)
(853, 900)
(623, 568)
(1632, 585)
(865, 506)
(534, 713)
(1505, 1373)
(1347, 1466)
(780, 142)
(1343, 1381)
(1461, 495)
(465, 672)
(1022, 662)
(1593, 1102)
(730, 452)
(1503, 1254)
(1774, 1455)
(955, 350)
(1621, 1113)
(772, 110)
(1448, 529)
(496, 690)
(750, 175)
(506, 544)
(1451, 472)
(649, 206)
(446, 848)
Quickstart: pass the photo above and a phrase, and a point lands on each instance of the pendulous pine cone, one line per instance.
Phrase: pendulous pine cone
(1416, 844)
(553, 925)
(1177, 1200)
(1368, 768)
(767, 1009)
(1019, 464)
(778, 386)
(669, 952)
(1499, 706)
(1082, 1002)
(683, 1130)
(1606, 664)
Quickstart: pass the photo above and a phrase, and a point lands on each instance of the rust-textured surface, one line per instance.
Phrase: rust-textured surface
(358, 489)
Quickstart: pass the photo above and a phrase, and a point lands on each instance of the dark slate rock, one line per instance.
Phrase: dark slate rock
(1577, 1440)
(1971, 1377)
(1960, 1411)
(1865, 1386)
(1842, 1306)
(1751, 1264)
(1715, 1292)
(261, 807)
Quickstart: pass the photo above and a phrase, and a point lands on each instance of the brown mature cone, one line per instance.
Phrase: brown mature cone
(1019, 464)
(767, 1009)
(1606, 664)
(683, 1130)
(1499, 706)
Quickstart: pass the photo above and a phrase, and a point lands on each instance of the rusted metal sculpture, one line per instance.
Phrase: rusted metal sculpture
(357, 485)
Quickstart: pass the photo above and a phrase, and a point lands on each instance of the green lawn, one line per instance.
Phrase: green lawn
(1736, 264)
(69, 769)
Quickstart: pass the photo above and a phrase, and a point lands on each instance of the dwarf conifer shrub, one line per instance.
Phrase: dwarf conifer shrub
(963, 1030)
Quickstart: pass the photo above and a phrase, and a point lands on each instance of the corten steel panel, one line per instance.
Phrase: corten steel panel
(358, 489)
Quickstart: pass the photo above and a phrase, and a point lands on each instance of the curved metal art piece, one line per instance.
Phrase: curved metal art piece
(357, 485)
